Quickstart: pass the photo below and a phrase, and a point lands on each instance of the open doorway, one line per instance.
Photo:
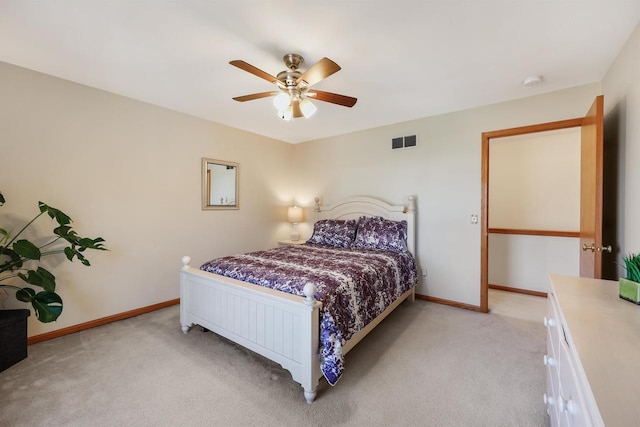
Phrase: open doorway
(534, 209)
(518, 228)
(591, 247)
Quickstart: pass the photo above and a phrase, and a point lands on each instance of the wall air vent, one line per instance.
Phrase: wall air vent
(404, 142)
(397, 143)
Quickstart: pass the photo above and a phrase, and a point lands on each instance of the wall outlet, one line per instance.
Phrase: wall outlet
(474, 218)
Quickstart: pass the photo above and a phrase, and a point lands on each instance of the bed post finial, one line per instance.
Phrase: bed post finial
(309, 291)
(317, 209)
(186, 260)
(411, 224)
(412, 203)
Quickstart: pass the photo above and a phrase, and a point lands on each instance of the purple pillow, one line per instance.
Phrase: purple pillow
(380, 233)
(334, 232)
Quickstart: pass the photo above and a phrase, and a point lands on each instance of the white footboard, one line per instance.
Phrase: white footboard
(281, 327)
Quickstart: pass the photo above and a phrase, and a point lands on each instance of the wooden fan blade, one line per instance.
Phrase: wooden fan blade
(297, 112)
(253, 70)
(254, 96)
(319, 71)
(334, 98)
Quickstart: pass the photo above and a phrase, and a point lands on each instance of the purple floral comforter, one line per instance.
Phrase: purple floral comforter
(354, 286)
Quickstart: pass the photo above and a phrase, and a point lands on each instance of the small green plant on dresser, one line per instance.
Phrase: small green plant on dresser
(630, 286)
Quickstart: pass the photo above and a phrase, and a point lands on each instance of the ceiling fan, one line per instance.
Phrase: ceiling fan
(292, 99)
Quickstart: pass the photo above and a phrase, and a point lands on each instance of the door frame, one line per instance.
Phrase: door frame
(591, 178)
(484, 208)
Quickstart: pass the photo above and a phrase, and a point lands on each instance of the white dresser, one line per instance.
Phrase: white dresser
(593, 354)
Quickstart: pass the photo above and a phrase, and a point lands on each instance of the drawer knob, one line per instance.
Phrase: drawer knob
(570, 407)
(567, 406)
(548, 400)
(549, 322)
(549, 360)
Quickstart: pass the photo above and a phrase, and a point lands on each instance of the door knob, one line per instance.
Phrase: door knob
(593, 248)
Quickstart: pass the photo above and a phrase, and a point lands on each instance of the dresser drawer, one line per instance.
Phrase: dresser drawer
(551, 396)
(552, 324)
(570, 401)
(553, 375)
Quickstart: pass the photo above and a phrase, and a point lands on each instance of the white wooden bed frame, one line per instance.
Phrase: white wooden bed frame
(281, 327)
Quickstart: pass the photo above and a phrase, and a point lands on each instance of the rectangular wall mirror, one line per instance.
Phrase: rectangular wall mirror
(219, 184)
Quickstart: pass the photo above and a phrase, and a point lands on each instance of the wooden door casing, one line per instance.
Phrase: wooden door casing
(484, 208)
(591, 167)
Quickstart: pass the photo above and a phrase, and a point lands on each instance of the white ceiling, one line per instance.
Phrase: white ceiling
(402, 59)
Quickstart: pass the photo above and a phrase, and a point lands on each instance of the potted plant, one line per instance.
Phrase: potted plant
(630, 286)
(19, 261)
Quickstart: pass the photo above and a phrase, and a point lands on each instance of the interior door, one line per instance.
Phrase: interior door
(591, 191)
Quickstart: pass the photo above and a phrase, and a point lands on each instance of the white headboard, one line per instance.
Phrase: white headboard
(355, 207)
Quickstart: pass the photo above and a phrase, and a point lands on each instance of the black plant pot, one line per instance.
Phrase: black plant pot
(13, 337)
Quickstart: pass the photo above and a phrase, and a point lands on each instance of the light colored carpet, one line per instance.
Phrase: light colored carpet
(426, 364)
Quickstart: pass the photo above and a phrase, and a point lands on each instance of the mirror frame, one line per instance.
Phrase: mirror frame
(206, 183)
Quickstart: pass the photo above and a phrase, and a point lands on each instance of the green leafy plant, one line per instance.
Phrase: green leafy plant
(17, 255)
(632, 265)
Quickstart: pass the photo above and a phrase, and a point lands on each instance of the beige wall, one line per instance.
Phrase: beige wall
(130, 172)
(525, 262)
(621, 90)
(443, 172)
(534, 181)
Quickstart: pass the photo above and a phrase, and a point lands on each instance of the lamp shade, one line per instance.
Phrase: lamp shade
(282, 101)
(307, 108)
(295, 214)
(286, 114)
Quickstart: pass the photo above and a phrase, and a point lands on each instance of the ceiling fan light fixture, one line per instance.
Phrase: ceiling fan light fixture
(292, 87)
(282, 101)
(307, 108)
(286, 114)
